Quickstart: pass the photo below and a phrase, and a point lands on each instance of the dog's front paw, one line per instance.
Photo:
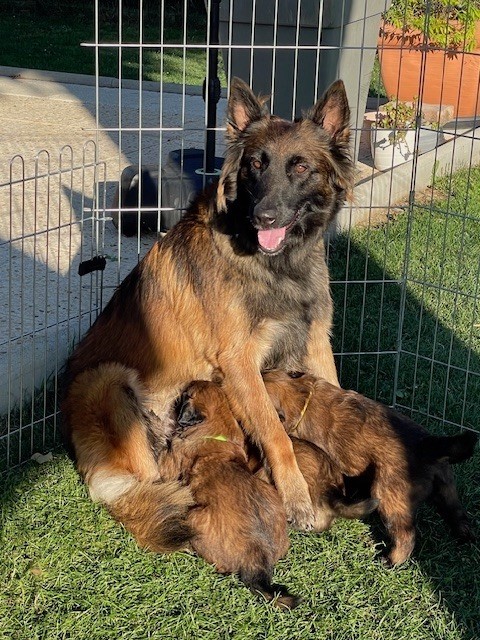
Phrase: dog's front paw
(301, 518)
(300, 513)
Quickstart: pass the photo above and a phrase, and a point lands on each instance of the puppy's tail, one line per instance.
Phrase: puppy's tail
(260, 582)
(343, 509)
(114, 443)
(453, 449)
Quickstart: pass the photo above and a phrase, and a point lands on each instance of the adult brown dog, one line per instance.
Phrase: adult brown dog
(238, 285)
(238, 521)
(406, 463)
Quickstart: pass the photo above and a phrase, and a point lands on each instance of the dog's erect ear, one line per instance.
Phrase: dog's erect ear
(332, 112)
(188, 414)
(243, 106)
(243, 109)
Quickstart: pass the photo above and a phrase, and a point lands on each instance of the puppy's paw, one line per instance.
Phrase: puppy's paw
(400, 553)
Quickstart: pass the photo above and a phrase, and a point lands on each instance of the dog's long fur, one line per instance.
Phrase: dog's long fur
(239, 523)
(406, 464)
(238, 285)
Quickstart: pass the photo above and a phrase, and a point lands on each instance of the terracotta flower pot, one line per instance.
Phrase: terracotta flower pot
(410, 69)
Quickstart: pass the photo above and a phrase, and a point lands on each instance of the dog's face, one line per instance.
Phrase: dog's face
(289, 393)
(203, 405)
(288, 179)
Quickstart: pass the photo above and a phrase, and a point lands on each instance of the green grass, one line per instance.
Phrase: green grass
(52, 40)
(69, 571)
(53, 45)
(440, 335)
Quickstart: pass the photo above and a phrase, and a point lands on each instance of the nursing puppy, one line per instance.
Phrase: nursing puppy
(325, 484)
(239, 523)
(408, 464)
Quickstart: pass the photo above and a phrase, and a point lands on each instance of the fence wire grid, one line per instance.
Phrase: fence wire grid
(404, 253)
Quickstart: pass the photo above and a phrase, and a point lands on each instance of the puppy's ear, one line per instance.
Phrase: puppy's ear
(188, 414)
(332, 112)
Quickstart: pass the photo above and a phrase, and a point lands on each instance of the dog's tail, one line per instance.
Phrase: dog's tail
(453, 449)
(154, 514)
(260, 582)
(342, 508)
(114, 443)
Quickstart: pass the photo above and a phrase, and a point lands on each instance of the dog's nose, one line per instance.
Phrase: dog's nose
(264, 218)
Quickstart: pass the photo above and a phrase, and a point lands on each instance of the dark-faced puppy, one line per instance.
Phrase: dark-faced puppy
(408, 464)
(325, 484)
(239, 523)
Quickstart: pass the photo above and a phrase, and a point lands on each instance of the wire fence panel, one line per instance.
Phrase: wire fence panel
(48, 231)
(403, 254)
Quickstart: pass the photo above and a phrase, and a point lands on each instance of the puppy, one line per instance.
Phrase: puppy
(325, 484)
(407, 464)
(239, 523)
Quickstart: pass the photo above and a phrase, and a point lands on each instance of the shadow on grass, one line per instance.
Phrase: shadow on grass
(438, 384)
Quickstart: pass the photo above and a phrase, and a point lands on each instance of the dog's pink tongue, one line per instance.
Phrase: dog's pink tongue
(270, 239)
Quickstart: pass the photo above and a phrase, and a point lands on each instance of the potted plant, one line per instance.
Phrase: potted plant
(395, 136)
(430, 49)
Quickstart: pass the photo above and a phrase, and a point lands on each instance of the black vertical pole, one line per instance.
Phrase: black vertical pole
(212, 92)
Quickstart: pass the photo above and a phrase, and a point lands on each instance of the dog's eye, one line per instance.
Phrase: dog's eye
(300, 168)
(256, 164)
